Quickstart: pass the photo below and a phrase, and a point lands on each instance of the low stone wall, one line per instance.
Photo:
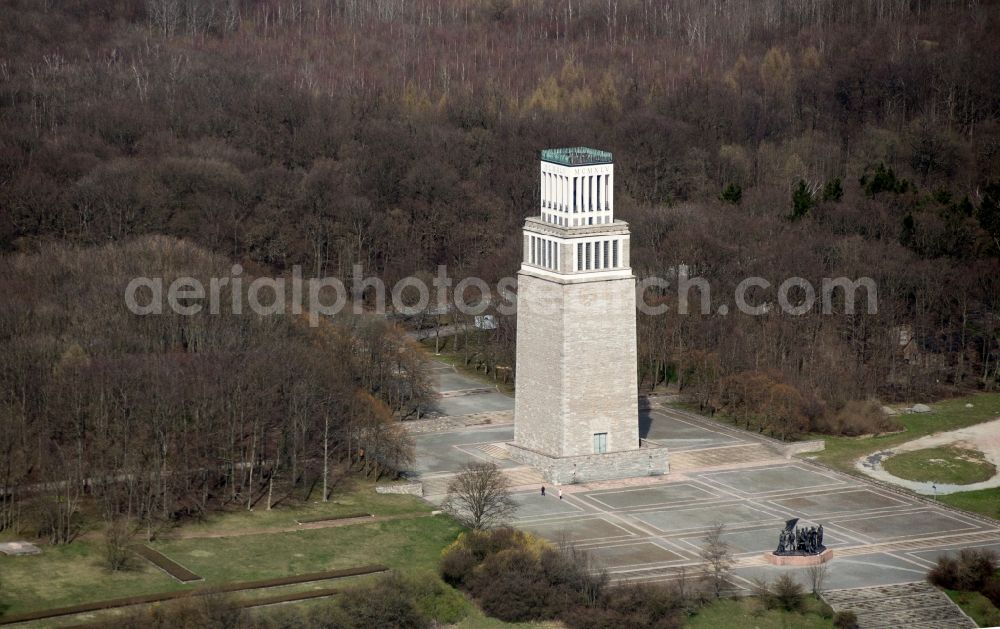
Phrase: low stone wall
(802, 447)
(435, 424)
(413, 488)
(594, 467)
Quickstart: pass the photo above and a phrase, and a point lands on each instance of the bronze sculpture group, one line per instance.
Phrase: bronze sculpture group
(800, 541)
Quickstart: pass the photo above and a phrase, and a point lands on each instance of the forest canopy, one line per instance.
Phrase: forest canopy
(777, 138)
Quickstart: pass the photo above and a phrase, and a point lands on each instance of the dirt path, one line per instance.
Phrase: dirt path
(984, 437)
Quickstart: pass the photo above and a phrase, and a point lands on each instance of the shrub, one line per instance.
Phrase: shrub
(787, 593)
(975, 568)
(457, 565)
(970, 571)
(387, 603)
(944, 573)
(857, 418)
(991, 590)
(516, 577)
(845, 620)
(510, 585)
(645, 605)
(195, 612)
(436, 600)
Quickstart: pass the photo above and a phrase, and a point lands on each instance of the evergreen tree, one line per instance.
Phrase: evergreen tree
(833, 190)
(802, 200)
(733, 193)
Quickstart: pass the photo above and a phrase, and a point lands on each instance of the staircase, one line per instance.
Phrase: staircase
(497, 451)
(917, 605)
(722, 456)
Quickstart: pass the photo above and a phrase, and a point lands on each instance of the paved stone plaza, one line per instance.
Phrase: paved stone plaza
(650, 529)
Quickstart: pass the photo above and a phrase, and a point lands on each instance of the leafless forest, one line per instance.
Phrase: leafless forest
(778, 138)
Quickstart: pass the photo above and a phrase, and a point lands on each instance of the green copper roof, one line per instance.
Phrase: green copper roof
(576, 156)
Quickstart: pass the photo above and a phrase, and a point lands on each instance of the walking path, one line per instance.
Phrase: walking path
(984, 437)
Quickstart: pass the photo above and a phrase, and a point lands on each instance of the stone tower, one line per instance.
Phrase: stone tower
(576, 415)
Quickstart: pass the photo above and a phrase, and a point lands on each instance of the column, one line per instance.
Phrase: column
(610, 192)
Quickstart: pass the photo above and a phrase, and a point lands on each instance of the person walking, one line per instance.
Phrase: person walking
(560, 494)
(543, 490)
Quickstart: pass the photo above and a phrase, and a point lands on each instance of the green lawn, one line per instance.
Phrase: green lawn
(946, 464)
(841, 452)
(984, 501)
(410, 545)
(977, 607)
(353, 497)
(75, 573)
(70, 574)
(749, 613)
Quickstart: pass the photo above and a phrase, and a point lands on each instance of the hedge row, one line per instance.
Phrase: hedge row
(332, 518)
(166, 564)
(166, 596)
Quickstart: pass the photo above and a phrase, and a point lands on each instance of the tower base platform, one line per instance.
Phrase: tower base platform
(799, 561)
(567, 470)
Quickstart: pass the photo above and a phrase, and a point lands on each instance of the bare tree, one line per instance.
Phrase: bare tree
(479, 497)
(817, 577)
(718, 558)
(117, 537)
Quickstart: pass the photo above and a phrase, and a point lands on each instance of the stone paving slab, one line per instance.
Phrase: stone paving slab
(633, 554)
(696, 518)
(652, 496)
(851, 501)
(772, 479)
(895, 525)
(901, 605)
(578, 530)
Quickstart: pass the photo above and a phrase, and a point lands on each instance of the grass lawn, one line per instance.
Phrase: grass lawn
(748, 612)
(947, 464)
(977, 607)
(984, 501)
(841, 452)
(354, 496)
(75, 573)
(70, 574)
(410, 545)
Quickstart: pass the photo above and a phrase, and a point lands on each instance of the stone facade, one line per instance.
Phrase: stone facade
(567, 470)
(576, 414)
(575, 365)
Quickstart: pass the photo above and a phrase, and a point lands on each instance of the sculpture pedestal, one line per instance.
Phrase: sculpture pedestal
(799, 561)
